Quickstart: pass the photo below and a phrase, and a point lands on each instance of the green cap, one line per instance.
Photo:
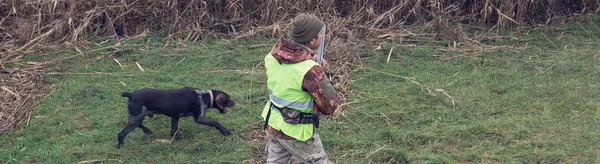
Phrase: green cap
(305, 27)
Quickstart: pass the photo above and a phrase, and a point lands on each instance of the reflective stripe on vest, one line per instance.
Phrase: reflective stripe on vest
(286, 103)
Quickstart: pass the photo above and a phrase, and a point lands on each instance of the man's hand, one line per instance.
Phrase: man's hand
(324, 62)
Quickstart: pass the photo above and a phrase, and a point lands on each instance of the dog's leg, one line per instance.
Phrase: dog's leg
(174, 125)
(205, 121)
(146, 112)
(133, 121)
(201, 119)
(150, 114)
(145, 129)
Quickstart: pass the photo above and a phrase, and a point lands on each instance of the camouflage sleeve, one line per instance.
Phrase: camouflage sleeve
(316, 83)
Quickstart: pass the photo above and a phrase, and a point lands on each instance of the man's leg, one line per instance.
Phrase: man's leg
(310, 151)
(275, 152)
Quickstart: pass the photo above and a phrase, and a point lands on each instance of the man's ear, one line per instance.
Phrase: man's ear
(314, 43)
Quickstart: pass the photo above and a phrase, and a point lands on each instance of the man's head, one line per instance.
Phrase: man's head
(306, 30)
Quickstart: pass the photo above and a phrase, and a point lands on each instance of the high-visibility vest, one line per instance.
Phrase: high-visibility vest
(284, 83)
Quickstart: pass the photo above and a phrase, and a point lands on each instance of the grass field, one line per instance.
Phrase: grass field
(535, 104)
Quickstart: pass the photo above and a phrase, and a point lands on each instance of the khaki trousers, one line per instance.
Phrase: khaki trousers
(310, 151)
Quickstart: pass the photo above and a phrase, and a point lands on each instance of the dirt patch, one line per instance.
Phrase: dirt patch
(90, 91)
(255, 137)
(83, 124)
(21, 90)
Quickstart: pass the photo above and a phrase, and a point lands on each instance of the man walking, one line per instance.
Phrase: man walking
(299, 92)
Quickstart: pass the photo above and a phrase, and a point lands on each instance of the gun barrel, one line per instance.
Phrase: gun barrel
(321, 47)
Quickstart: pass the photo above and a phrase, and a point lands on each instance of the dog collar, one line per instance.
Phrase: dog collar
(211, 99)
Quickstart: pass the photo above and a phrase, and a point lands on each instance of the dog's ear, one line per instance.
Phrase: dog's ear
(223, 100)
(220, 101)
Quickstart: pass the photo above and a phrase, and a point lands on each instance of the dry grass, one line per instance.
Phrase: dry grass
(20, 91)
(43, 22)
(29, 25)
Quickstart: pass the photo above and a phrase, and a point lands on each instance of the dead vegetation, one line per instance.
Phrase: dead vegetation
(27, 26)
(38, 23)
(21, 90)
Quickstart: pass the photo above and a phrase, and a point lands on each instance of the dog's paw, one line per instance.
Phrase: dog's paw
(147, 131)
(118, 146)
(176, 136)
(225, 132)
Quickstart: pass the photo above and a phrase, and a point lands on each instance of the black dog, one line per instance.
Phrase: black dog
(176, 103)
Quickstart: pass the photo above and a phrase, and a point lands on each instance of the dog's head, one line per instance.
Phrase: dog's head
(222, 101)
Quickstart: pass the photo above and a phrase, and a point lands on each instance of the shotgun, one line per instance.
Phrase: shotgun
(321, 47)
(320, 62)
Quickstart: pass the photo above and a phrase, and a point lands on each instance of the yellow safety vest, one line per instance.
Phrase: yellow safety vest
(284, 83)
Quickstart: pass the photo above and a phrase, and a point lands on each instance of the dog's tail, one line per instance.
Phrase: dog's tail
(126, 94)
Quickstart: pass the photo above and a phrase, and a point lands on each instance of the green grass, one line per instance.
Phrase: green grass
(537, 105)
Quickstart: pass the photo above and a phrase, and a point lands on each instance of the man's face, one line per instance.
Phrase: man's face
(316, 42)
